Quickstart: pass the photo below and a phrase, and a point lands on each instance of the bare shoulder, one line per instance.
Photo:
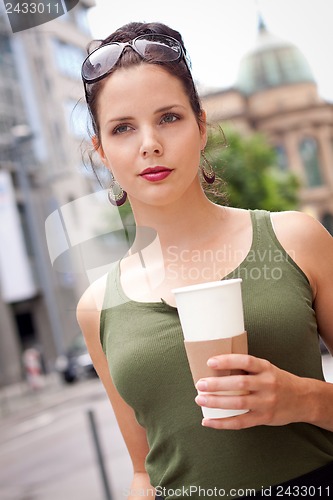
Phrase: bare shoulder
(308, 243)
(297, 228)
(89, 307)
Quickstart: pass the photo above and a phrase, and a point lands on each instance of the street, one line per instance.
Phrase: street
(47, 450)
(51, 455)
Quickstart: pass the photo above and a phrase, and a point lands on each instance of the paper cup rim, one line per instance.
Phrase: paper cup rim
(205, 286)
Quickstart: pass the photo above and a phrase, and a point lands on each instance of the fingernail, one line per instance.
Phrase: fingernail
(201, 400)
(202, 385)
(212, 363)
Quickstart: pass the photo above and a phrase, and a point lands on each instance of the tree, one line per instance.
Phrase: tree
(252, 179)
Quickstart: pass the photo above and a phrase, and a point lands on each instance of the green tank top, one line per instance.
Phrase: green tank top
(144, 347)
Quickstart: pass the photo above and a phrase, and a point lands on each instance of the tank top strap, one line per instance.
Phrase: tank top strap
(265, 242)
(111, 299)
(264, 238)
(263, 232)
(113, 295)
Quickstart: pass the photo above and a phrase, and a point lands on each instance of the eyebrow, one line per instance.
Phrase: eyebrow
(169, 108)
(159, 110)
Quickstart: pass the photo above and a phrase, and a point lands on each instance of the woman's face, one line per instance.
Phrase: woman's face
(146, 122)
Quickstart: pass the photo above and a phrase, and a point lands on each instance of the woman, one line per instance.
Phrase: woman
(150, 132)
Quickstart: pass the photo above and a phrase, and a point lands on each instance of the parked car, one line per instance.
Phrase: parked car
(75, 364)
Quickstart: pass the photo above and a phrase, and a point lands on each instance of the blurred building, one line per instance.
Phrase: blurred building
(40, 170)
(276, 94)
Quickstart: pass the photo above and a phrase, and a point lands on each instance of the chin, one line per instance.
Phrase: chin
(156, 195)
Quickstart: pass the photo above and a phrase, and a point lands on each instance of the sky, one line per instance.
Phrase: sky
(217, 33)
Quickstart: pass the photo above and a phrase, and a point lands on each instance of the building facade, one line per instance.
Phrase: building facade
(42, 127)
(276, 94)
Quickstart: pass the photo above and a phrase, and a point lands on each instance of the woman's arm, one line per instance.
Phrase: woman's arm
(88, 315)
(275, 396)
(311, 246)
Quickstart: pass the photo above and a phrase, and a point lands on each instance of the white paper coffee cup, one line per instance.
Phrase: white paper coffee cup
(212, 320)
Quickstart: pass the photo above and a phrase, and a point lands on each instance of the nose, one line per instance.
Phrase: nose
(151, 144)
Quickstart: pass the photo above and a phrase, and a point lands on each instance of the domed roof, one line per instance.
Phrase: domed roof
(271, 63)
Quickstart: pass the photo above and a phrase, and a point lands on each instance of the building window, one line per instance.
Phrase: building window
(7, 64)
(4, 125)
(308, 149)
(282, 157)
(68, 58)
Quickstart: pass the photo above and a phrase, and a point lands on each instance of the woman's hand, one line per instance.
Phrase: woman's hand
(273, 396)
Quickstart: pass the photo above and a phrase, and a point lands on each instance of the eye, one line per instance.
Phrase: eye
(121, 129)
(169, 118)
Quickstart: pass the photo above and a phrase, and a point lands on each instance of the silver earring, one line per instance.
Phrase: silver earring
(116, 195)
(207, 170)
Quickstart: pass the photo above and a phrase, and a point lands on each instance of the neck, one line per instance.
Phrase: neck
(182, 223)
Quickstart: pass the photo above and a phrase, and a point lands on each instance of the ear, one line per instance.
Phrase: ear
(203, 129)
(99, 149)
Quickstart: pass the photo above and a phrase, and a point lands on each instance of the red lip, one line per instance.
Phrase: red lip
(155, 170)
(154, 174)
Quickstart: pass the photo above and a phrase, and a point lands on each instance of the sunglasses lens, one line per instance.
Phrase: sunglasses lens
(158, 49)
(100, 61)
(155, 48)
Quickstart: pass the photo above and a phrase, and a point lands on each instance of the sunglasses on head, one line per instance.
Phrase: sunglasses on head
(151, 47)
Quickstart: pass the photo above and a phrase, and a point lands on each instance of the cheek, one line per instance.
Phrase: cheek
(193, 145)
(119, 162)
(113, 153)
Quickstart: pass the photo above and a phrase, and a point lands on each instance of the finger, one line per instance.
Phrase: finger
(244, 421)
(227, 383)
(245, 362)
(232, 402)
